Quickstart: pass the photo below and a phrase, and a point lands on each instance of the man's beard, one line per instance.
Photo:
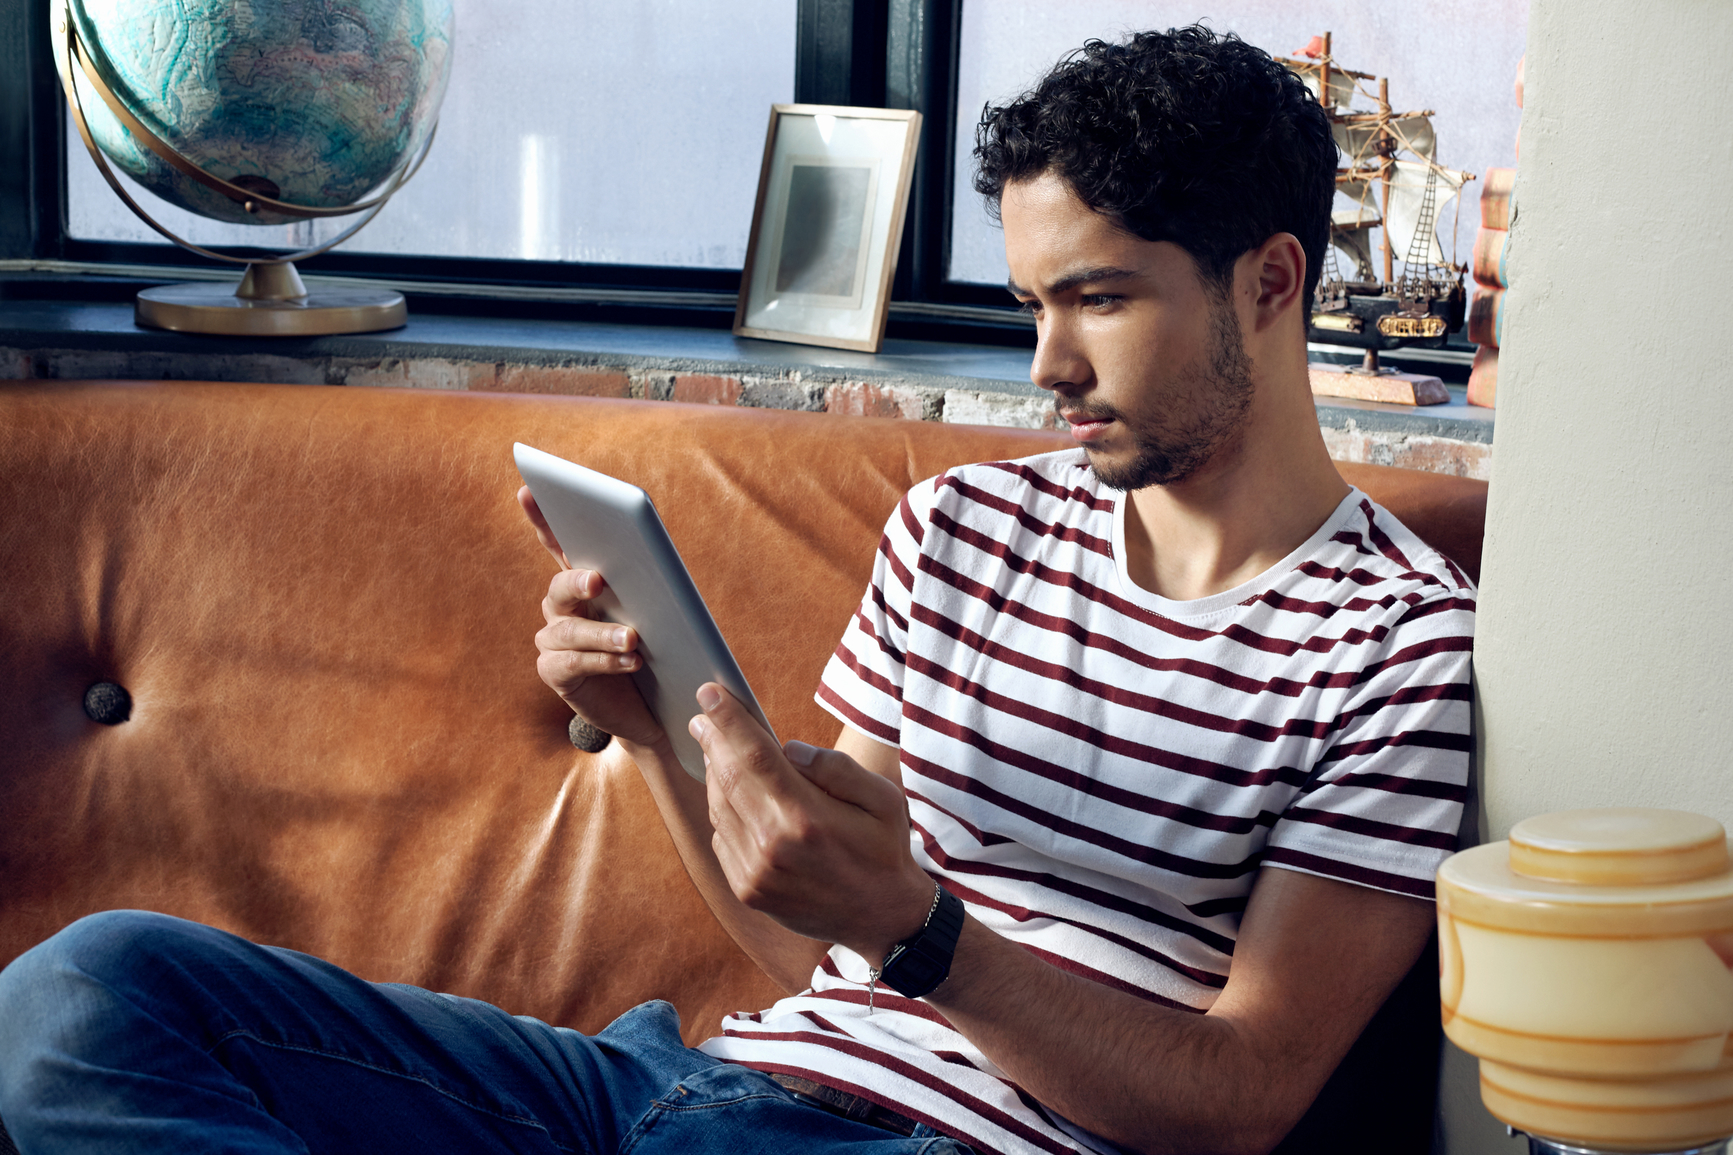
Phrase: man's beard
(1214, 393)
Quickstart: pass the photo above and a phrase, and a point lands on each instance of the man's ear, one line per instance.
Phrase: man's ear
(1276, 272)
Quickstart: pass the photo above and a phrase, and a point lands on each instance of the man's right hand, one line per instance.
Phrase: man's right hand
(586, 661)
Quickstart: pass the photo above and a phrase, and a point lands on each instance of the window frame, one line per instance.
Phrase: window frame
(874, 53)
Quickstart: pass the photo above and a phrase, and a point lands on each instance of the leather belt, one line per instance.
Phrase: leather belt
(845, 1104)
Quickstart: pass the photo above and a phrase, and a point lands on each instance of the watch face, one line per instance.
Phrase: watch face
(913, 970)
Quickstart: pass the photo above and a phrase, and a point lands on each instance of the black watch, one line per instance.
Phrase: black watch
(917, 965)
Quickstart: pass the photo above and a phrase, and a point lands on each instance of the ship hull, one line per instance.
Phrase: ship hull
(1375, 322)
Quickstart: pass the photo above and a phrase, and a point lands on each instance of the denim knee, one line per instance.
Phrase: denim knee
(91, 946)
(46, 993)
(54, 996)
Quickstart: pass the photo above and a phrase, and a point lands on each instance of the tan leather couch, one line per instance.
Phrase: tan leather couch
(322, 603)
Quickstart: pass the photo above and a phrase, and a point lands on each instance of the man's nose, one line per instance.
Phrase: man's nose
(1059, 362)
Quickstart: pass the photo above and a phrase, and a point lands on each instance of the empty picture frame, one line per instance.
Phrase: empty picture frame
(827, 225)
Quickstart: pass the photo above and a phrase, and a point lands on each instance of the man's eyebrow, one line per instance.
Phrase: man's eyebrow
(1072, 280)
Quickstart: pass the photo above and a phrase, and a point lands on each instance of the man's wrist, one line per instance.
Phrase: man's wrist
(917, 965)
(913, 908)
(659, 750)
(663, 773)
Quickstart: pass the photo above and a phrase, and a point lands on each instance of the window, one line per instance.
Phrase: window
(631, 162)
(1455, 57)
(573, 130)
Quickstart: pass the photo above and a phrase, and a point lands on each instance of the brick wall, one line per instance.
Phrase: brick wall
(802, 389)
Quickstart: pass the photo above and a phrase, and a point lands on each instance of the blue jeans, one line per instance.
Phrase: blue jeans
(132, 1032)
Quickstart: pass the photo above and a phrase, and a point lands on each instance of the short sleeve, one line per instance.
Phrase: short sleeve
(863, 681)
(1382, 806)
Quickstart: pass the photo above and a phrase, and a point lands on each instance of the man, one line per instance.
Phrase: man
(1149, 751)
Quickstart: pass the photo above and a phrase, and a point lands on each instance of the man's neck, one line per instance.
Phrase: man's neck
(1256, 501)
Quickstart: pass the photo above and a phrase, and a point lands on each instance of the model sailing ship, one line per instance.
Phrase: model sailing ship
(1390, 182)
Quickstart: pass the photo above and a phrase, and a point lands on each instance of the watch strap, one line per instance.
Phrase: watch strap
(916, 966)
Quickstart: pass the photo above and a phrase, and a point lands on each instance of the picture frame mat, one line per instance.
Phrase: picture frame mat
(868, 333)
(778, 218)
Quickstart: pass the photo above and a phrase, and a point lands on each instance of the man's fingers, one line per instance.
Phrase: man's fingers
(844, 779)
(729, 832)
(565, 670)
(733, 739)
(544, 533)
(789, 836)
(587, 635)
(764, 843)
(570, 592)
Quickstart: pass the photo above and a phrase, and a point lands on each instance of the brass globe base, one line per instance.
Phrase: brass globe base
(269, 301)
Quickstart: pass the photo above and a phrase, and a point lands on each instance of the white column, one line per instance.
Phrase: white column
(1604, 657)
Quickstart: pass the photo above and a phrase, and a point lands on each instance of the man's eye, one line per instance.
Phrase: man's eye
(1029, 307)
(1100, 300)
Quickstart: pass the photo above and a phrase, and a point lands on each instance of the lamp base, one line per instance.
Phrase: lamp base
(214, 307)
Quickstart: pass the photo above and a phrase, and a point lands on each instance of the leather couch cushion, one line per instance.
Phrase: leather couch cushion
(322, 602)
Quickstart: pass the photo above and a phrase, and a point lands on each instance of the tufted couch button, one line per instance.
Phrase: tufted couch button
(583, 735)
(108, 703)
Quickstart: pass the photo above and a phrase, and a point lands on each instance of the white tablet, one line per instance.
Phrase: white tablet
(604, 524)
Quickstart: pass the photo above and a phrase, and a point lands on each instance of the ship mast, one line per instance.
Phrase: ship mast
(1372, 141)
(1386, 151)
(1324, 77)
(1369, 362)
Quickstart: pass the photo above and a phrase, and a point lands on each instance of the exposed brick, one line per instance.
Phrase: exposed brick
(1440, 455)
(792, 390)
(1432, 454)
(264, 368)
(864, 399)
(706, 389)
(652, 386)
(967, 407)
(569, 380)
(419, 373)
(780, 393)
(70, 365)
(1346, 445)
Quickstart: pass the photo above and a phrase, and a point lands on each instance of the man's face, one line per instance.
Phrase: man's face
(1145, 360)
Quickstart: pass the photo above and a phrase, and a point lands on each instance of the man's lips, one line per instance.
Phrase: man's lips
(1086, 426)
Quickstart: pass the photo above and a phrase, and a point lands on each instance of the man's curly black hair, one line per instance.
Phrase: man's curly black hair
(1184, 136)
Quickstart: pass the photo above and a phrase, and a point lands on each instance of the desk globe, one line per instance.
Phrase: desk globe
(258, 113)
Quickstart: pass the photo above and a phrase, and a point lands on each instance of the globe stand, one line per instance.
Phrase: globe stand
(270, 300)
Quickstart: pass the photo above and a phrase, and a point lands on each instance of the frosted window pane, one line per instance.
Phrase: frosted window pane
(573, 130)
(1457, 57)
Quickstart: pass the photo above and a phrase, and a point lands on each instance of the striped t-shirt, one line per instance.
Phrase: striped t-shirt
(1099, 772)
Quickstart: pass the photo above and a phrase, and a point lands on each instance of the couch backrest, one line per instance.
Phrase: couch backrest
(322, 602)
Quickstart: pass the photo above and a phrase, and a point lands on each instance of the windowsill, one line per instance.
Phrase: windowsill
(932, 380)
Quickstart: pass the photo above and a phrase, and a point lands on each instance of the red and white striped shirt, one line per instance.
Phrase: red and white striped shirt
(1099, 772)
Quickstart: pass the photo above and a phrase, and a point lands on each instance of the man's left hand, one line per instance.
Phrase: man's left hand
(809, 836)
